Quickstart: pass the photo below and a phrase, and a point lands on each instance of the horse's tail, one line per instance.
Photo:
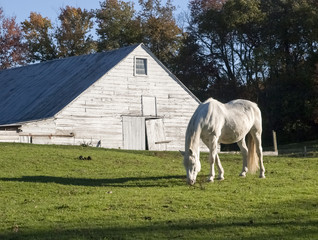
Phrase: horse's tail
(252, 157)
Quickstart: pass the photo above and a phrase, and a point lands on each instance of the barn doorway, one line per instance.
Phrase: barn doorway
(141, 133)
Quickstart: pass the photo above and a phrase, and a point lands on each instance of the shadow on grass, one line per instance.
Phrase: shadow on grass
(163, 181)
(181, 229)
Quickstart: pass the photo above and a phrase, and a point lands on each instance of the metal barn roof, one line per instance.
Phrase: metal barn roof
(41, 90)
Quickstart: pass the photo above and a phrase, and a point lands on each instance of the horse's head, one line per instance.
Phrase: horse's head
(192, 165)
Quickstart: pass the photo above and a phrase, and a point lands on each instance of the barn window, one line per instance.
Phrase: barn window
(141, 66)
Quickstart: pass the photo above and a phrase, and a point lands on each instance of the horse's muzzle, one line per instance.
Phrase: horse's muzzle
(190, 182)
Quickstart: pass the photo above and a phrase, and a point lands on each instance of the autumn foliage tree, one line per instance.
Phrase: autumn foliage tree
(73, 35)
(161, 33)
(120, 25)
(38, 33)
(12, 50)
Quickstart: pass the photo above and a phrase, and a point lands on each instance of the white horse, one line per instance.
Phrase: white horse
(215, 123)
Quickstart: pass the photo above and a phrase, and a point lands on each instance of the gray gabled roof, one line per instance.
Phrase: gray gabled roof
(41, 90)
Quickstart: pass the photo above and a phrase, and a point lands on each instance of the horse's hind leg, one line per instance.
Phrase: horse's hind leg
(259, 152)
(244, 151)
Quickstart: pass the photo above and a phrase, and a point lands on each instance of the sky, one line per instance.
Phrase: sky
(50, 8)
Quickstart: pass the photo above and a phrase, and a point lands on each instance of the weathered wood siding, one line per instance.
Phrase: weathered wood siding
(95, 116)
(9, 136)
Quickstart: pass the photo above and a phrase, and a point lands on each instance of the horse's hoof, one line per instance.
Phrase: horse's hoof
(262, 176)
(210, 179)
(220, 178)
(242, 175)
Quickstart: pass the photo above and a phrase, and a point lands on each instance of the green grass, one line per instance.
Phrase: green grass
(46, 192)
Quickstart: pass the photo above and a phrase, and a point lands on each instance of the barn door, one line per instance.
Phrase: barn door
(134, 133)
(156, 138)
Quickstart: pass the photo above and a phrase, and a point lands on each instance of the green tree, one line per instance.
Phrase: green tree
(194, 69)
(227, 35)
(263, 50)
(117, 25)
(160, 31)
(291, 45)
(12, 50)
(39, 37)
(73, 35)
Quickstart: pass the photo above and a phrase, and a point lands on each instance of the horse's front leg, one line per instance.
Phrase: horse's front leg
(215, 157)
(212, 171)
(220, 168)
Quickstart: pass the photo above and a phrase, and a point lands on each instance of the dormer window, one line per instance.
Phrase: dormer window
(141, 66)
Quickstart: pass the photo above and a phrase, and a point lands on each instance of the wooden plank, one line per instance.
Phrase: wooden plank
(156, 135)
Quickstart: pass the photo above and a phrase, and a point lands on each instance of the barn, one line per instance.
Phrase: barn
(122, 99)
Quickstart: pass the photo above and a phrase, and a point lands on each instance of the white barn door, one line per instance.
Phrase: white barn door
(156, 138)
(134, 133)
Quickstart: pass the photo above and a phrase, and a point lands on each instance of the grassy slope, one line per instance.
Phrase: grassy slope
(46, 192)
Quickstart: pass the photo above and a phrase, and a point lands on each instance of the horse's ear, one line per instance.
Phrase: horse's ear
(182, 153)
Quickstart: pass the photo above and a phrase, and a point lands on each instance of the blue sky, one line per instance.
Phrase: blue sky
(50, 8)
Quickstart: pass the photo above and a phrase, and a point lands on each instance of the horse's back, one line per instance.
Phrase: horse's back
(241, 117)
(241, 103)
(229, 122)
(241, 107)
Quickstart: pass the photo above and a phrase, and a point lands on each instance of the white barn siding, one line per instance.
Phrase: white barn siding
(9, 136)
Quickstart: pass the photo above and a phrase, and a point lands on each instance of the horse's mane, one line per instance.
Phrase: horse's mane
(195, 124)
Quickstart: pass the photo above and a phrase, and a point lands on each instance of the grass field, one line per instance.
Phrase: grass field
(50, 192)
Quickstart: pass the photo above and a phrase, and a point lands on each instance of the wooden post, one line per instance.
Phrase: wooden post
(275, 141)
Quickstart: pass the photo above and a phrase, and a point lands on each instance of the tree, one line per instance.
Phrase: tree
(154, 25)
(39, 37)
(160, 31)
(291, 40)
(117, 25)
(189, 64)
(12, 50)
(261, 50)
(227, 32)
(73, 37)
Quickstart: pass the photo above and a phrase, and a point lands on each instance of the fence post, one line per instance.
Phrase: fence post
(275, 141)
